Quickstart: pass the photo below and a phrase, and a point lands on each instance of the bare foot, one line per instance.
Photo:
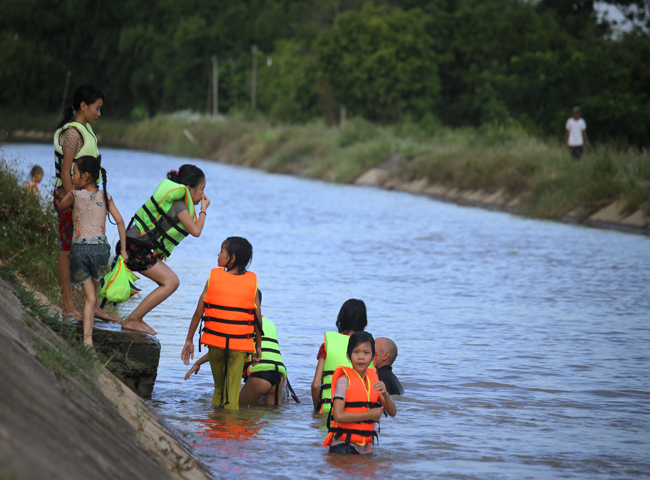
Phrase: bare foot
(72, 313)
(102, 315)
(138, 326)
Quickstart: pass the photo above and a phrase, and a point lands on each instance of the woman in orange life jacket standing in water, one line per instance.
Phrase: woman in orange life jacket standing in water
(156, 228)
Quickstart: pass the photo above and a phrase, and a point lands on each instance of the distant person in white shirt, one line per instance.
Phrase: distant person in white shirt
(576, 134)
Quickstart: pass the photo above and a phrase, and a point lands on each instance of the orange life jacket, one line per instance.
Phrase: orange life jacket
(229, 313)
(359, 398)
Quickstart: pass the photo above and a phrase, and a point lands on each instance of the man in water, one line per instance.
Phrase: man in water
(386, 355)
(576, 134)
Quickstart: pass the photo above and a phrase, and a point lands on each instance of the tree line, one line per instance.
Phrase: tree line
(521, 63)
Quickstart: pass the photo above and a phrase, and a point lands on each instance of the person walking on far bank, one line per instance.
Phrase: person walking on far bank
(576, 134)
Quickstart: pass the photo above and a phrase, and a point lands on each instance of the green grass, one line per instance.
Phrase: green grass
(536, 170)
(71, 357)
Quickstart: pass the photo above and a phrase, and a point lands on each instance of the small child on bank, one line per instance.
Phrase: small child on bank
(359, 400)
(36, 176)
(90, 248)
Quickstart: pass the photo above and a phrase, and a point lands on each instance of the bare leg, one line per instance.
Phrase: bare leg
(63, 265)
(167, 282)
(253, 389)
(270, 396)
(101, 314)
(89, 309)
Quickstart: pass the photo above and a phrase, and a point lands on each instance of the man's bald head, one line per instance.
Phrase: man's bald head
(386, 351)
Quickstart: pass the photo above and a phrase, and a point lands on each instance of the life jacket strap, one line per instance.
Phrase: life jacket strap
(175, 224)
(155, 231)
(272, 362)
(348, 432)
(293, 394)
(272, 350)
(362, 404)
(250, 311)
(227, 336)
(226, 321)
(328, 372)
(269, 339)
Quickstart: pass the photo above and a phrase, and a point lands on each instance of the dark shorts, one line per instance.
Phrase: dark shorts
(271, 376)
(65, 222)
(576, 152)
(344, 448)
(141, 257)
(86, 260)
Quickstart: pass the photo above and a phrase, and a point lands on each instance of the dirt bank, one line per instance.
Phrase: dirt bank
(61, 421)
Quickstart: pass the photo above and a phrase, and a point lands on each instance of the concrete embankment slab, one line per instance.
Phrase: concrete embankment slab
(56, 423)
(612, 216)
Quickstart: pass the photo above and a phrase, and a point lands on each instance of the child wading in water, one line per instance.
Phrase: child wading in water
(359, 400)
(90, 248)
(230, 308)
(35, 177)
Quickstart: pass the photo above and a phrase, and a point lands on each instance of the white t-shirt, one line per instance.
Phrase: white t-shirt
(575, 128)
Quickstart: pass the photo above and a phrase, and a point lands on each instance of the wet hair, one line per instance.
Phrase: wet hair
(188, 175)
(36, 169)
(87, 93)
(357, 338)
(352, 316)
(242, 250)
(92, 166)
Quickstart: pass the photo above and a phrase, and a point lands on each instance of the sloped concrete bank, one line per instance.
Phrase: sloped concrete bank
(609, 217)
(58, 423)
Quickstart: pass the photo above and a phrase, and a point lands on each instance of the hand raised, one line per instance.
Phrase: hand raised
(205, 202)
(380, 387)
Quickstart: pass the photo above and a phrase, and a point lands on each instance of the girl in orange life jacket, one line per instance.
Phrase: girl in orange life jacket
(352, 318)
(146, 262)
(359, 399)
(85, 110)
(90, 248)
(230, 309)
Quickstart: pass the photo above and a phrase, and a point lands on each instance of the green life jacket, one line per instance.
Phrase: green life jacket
(89, 148)
(336, 348)
(271, 356)
(149, 217)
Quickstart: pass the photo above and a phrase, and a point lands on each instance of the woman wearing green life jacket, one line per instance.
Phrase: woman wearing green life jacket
(165, 219)
(333, 353)
(74, 139)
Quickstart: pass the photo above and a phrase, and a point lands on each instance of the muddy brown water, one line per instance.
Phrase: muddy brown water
(523, 344)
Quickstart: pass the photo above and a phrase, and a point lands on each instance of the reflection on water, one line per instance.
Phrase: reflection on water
(523, 344)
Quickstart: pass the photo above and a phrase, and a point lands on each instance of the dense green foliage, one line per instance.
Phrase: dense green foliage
(459, 62)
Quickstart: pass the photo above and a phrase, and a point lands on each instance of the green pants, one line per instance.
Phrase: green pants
(232, 382)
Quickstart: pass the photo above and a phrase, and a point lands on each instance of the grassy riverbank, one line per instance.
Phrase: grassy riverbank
(538, 171)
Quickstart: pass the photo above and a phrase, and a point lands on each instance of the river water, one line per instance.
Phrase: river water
(524, 345)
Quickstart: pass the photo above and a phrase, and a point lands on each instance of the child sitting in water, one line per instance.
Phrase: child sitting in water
(359, 400)
(36, 176)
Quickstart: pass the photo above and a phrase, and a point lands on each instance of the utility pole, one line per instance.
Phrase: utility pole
(254, 77)
(65, 89)
(215, 85)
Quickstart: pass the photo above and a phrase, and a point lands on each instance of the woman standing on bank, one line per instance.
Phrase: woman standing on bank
(74, 139)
